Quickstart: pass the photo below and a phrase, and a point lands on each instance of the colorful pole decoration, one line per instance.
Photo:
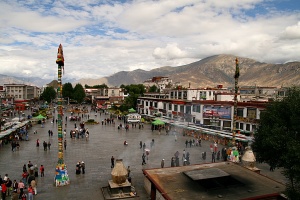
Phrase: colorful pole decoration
(236, 81)
(61, 173)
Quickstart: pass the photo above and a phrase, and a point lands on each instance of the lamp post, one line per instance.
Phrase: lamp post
(61, 174)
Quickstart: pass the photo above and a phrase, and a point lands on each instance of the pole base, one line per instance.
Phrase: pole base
(61, 175)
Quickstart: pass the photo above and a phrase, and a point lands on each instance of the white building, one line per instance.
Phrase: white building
(160, 82)
(22, 91)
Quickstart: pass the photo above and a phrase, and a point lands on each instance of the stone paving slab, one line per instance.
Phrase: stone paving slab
(105, 141)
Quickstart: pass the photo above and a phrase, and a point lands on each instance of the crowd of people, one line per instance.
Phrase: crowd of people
(80, 132)
(26, 187)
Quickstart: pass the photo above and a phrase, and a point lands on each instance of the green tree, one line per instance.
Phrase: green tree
(79, 93)
(96, 86)
(67, 90)
(48, 94)
(277, 140)
(153, 88)
(134, 91)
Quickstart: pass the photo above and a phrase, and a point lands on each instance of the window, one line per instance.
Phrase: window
(202, 95)
(151, 104)
(170, 106)
(165, 106)
(253, 128)
(155, 104)
(247, 127)
(188, 109)
(175, 107)
(172, 94)
(251, 113)
(179, 95)
(242, 126)
(182, 108)
(185, 95)
(196, 108)
(240, 112)
(146, 103)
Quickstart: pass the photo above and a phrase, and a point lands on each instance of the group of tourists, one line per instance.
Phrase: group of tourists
(108, 121)
(80, 167)
(27, 185)
(79, 133)
(193, 142)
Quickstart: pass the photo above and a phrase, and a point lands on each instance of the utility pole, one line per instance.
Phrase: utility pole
(61, 173)
(236, 81)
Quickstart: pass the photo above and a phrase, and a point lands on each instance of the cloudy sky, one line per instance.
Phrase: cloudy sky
(102, 37)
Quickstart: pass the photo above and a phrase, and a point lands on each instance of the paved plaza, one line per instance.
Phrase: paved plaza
(104, 141)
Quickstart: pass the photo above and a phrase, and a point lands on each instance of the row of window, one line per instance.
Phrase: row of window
(251, 113)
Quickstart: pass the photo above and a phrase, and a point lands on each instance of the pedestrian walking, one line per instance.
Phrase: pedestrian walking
(144, 146)
(45, 145)
(143, 158)
(128, 171)
(42, 170)
(25, 176)
(65, 144)
(204, 155)
(213, 157)
(112, 160)
(172, 162)
(49, 145)
(83, 167)
(37, 143)
(215, 147)
(21, 188)
(3, 190)
(141, 144)
(36, 171)
(162, 164)
(30, 193)
(78, 168)
(24, 168)
(33, 185)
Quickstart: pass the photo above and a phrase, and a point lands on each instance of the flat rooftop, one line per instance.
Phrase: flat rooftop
(223, 180)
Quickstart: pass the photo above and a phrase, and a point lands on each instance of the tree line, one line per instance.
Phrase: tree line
(77, 93)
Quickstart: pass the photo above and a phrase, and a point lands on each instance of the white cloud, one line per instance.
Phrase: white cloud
(100, 39)
(292, 32)
(172, 51)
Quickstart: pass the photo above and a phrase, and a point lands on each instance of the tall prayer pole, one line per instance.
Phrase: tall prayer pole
(236, 81)
(61, 173)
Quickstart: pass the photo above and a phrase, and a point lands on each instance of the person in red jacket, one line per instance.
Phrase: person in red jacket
(4, 188)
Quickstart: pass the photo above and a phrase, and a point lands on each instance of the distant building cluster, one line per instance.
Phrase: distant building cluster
(208, 107)
(106, 97)
(211, 107)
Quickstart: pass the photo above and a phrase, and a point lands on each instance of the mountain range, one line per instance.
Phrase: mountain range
(208, 72)
(212, 71)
